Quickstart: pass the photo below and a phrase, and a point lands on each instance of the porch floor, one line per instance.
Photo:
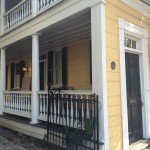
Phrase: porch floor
(24, 120)
(141, 145)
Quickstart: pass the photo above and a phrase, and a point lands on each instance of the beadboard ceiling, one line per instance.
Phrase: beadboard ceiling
(71, 30)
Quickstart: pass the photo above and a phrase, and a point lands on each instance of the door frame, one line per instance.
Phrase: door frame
(142, 35)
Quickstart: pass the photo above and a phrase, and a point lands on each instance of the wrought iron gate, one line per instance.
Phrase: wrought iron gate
(73, 121)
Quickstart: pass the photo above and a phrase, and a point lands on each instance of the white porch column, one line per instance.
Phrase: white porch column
(34, 7)
(2, 5)
(2, 78)
(99, 82)
(35, 78)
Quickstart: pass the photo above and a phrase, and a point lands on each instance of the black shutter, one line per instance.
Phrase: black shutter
(50, 67)
(64, 66)
(6, 75)
(21, 72)
(12, 75)
(90, 62)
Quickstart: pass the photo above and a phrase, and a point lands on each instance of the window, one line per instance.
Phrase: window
(17, 75)
(57, 67)
(43, 70)
(130, 43)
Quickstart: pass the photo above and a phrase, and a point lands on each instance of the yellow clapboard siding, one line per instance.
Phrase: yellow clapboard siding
(114, 121)
(111, 16)
(115, 131)
(113, 54)
(112, 41)
(115, 145)
(112, 26)
(114, 110)
(113, 76)
(127, 15)
(79, 66)
(114, 100)
(113, 88)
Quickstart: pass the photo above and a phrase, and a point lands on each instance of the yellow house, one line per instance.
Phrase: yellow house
(81, 47)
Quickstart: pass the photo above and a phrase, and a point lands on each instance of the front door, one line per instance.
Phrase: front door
(134, 102)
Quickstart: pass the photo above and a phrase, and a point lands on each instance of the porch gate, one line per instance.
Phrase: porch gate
(72, 122)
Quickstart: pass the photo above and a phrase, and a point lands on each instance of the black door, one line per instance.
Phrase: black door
(133, 97)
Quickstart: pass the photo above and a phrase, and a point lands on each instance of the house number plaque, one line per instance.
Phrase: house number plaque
(113, 65)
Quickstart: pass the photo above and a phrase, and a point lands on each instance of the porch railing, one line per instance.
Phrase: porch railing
(18, 14)
(22, 12)
(45, 4)
(63, 108)
(17, 103)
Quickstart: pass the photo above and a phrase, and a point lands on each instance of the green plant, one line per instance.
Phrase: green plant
(75, 137)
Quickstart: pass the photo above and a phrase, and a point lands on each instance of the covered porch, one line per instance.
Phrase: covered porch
(59, 55)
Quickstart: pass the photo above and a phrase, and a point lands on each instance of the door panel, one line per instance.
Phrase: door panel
(133, 97)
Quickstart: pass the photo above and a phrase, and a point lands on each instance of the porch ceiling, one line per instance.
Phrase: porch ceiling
(68, 31)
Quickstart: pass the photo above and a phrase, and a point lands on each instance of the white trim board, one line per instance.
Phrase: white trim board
(142, 34)
(139, 6)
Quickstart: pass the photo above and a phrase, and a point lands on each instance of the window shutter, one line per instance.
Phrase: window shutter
(64, 66)
(6, 75)
(50, 67)
(21, 72)
(12, 75)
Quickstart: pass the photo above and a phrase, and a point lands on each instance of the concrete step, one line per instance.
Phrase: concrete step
(140, 145)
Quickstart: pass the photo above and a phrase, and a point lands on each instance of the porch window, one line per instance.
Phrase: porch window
(17, 75)
(57, 67)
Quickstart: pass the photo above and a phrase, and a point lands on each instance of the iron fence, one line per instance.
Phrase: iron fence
(73, 121)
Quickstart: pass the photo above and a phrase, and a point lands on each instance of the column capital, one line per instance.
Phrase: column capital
(38, 34)
(3, 48)
(96, 2)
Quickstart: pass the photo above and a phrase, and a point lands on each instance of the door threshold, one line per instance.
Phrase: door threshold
(140, 144)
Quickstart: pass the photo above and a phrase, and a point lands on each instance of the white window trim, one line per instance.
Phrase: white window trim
(139, 6)
(133, 30)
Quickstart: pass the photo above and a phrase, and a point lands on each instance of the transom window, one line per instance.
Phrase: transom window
(130, 43)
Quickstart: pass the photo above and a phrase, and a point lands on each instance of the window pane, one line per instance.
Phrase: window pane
(58, 75)
(133, 44)
(129, 43)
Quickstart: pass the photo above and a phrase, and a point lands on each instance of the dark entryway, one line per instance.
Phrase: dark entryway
(134, 102)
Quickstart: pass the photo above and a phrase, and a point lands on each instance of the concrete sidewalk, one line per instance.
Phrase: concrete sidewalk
(6, 145)
(140, 145)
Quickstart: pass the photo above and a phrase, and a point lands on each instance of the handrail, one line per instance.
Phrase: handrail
(69, 92)
(17, 92)
(20, 3)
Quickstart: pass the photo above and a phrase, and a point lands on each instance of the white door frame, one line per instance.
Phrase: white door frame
(142, 34)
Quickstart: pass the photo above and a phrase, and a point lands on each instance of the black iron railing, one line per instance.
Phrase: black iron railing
(73, 122)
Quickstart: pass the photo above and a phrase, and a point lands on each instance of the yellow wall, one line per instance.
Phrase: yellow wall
(78, 66)
(115, 9)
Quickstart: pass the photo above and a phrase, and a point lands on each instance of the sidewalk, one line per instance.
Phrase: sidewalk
(6, 145)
